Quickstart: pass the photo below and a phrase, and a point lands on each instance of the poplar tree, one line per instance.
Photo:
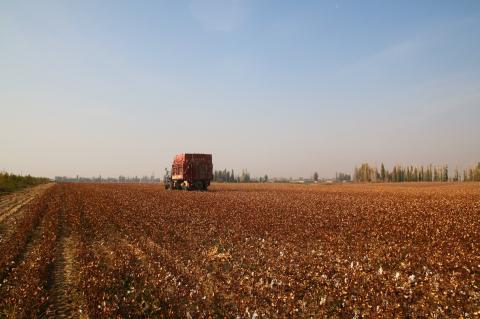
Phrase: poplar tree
(382, 173)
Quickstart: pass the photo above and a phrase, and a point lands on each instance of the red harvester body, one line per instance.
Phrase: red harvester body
(191, 171)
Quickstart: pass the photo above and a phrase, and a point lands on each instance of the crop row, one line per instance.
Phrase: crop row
(256, 250)
(26, 258)
(283, 251)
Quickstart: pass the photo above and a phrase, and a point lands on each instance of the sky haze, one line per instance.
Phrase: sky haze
(283, 88)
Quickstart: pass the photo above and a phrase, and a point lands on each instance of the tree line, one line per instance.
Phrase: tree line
(228, 176)
(471, 174)
(11, 182)
(400, 173)
(340, 177)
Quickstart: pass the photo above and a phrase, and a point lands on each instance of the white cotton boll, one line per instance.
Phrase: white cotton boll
(411, 278)
(323, 300)
(380, 271)
(397, 275)
(255, 315)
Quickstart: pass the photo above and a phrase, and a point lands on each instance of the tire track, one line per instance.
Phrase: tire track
(32, 238)
(19, 201)
(15, 218)
(6, 202)
(23, 293)
(17, 207)
(9, 200)
(62, 281)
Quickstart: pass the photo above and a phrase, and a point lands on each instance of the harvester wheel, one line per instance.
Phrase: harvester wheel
(199, 185)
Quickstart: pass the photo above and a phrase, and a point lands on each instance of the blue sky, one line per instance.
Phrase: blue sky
(284, 88)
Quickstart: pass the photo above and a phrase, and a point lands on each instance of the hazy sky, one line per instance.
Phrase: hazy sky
(284, 88)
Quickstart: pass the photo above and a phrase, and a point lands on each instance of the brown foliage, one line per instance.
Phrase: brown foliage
(269, 250)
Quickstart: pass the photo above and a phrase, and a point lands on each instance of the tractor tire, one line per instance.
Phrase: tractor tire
(198, 185)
